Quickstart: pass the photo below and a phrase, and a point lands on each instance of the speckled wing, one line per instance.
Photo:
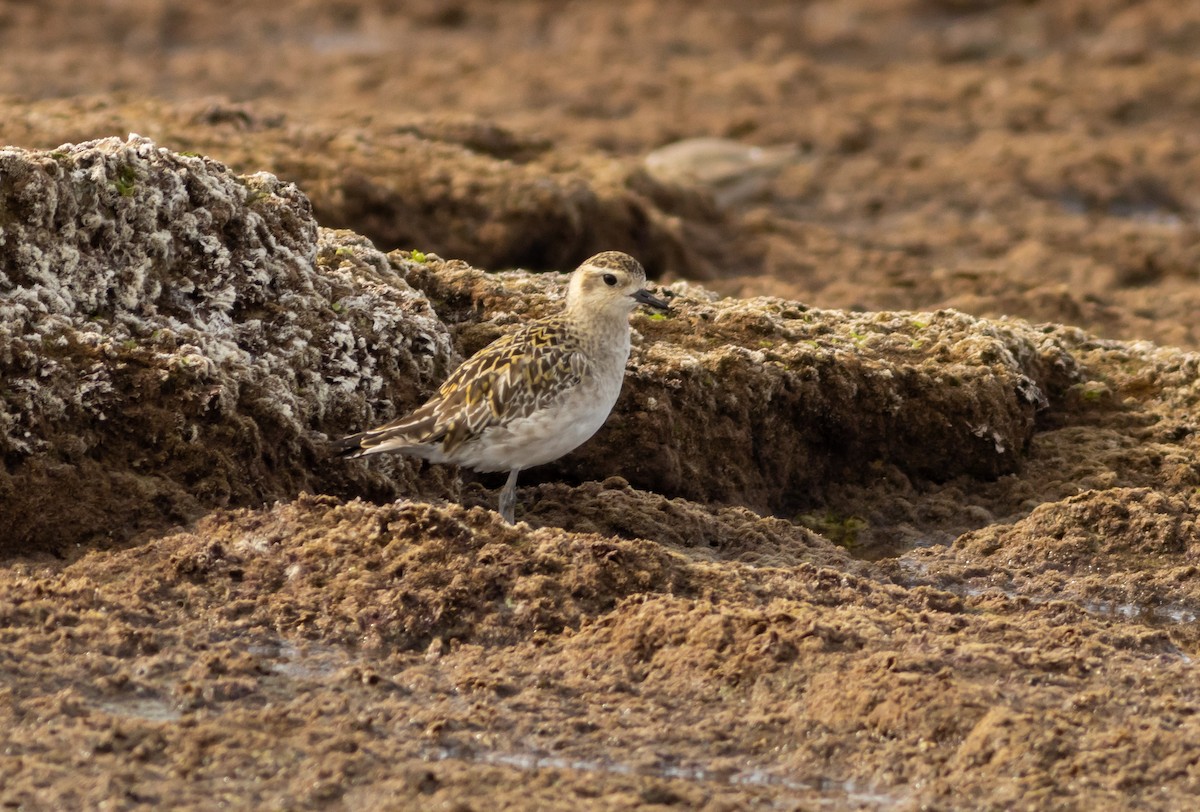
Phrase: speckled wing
(513, 377)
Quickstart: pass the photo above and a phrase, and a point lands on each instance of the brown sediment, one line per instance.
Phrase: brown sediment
(911, 523)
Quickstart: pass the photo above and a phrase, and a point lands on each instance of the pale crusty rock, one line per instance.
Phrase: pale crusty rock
(731, 171)
(172, 333)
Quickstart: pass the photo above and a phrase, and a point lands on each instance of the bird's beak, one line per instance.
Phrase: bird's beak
(647, 298)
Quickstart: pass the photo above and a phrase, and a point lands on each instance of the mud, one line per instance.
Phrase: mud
(912, 521)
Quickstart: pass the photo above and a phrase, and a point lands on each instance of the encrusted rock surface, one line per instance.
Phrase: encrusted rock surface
(405, 654)
(171, 334)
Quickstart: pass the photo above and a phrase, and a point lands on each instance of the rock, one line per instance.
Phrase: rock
(1094, 531)
(731, 171)
(458, 187)
(172, 333)
(407, 574)
(766, 403)
(613, 508)
(365, 636)
(179, 338)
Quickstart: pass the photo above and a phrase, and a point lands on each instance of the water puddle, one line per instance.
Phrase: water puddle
(1165, 614)
(1146, 212)
(312, 662)
(284, 664)
(149, 708)
(821, 792)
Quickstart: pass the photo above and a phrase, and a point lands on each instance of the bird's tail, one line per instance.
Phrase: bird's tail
(349, 447)
(410, 434)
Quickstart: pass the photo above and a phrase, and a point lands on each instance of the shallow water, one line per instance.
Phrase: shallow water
(820, 792)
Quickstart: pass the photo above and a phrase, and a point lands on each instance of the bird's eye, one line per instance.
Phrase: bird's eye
(610, 279)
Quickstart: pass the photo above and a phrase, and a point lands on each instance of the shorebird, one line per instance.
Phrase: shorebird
(531, 396)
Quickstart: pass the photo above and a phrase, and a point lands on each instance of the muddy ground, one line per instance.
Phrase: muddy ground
(919, 527)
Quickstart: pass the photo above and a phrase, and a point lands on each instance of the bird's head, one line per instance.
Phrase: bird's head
(611, 282)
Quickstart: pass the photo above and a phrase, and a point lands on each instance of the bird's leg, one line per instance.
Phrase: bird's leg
(508, 497)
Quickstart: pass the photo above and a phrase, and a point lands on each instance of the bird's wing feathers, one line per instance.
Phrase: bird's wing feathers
(512, 377)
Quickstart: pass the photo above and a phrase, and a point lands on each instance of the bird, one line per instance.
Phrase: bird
(532, 395)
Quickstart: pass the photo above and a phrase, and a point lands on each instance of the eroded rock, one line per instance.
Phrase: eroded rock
(172, 333)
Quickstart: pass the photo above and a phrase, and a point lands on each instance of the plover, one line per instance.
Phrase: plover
(531, 396)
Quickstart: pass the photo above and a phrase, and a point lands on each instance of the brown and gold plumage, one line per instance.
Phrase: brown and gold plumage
(533, 395)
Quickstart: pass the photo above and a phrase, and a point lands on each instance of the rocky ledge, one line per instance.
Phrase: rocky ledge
(179, 338)
(680, 618)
